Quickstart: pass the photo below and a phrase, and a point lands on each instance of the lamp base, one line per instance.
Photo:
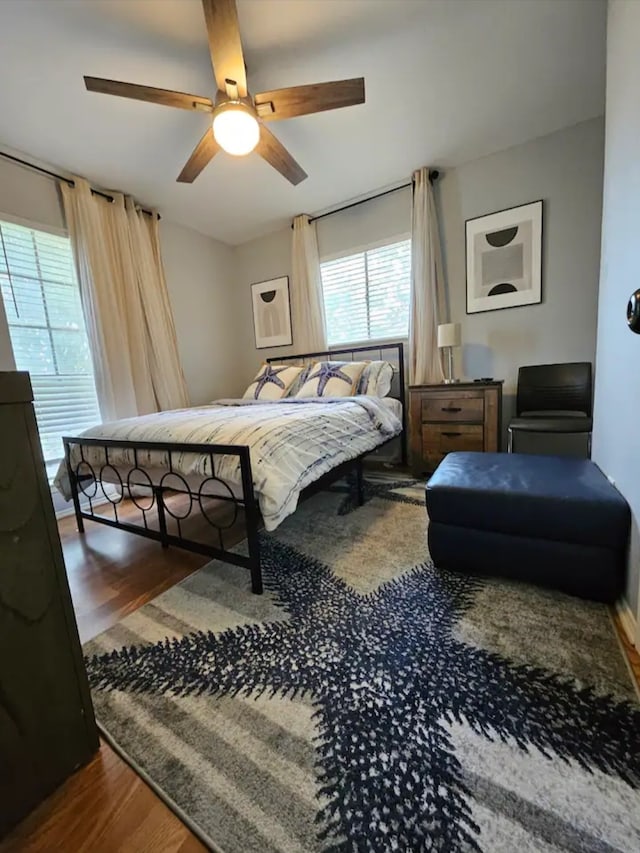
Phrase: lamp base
(449, 379)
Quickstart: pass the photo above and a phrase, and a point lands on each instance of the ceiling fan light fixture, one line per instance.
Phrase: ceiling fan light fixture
(235, 128)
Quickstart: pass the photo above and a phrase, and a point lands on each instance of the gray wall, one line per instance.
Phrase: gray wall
(564, 169)
(29, 195)
(201, 282)
(617, 404)
(33, 198)
(377, 220)
(257, 260)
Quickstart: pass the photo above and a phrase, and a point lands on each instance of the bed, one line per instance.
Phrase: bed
(233, 463)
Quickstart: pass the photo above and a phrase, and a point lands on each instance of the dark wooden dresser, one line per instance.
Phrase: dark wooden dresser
(47, 727)
(443, 418)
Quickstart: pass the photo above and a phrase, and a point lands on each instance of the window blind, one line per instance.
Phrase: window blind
(367, 295)
(46, 325)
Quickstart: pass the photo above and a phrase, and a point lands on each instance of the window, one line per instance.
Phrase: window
(367, 295)
(46, 326)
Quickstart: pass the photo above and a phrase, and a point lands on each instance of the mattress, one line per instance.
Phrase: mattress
(292, 443)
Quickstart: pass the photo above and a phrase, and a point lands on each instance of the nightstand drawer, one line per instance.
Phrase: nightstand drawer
(453, 408)
(438, 439)
(446, 418)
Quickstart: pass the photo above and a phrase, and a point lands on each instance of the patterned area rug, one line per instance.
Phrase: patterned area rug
(368, 702)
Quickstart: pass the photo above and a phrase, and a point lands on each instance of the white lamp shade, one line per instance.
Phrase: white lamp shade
(449, 335)
(235, 128)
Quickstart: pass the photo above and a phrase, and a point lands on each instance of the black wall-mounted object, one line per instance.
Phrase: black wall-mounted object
(633, 312)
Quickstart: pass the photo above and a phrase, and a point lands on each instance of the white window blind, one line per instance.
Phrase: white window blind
(42, 303)
(367, 295)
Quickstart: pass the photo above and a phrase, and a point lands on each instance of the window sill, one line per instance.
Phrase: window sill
(373, 343)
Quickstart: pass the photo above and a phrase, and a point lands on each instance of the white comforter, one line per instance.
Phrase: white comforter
(292, 442)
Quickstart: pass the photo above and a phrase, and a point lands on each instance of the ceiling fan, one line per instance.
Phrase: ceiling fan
(238, 125)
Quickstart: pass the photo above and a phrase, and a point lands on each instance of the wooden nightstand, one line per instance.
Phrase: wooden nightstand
(443, 418)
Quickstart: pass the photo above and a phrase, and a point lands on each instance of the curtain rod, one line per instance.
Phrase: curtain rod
(434, 174)
(57, 177)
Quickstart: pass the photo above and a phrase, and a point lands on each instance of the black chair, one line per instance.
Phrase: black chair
(554, 398)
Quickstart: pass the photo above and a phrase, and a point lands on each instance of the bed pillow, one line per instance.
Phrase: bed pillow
(299, 381)
(376, 379)
(272, 382)
(332, 379)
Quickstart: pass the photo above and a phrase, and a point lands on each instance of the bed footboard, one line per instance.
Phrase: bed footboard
(210, 519)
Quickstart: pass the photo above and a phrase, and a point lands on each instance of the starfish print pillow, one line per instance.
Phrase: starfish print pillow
(332, 379)
(376, 379)
(273, 382)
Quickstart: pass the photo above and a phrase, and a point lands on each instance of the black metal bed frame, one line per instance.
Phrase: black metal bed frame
(154, 500)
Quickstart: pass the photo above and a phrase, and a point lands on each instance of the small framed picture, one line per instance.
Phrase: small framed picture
(271, 313)
(504, 258)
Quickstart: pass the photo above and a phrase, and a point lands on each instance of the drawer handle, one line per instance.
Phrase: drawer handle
(452, 434)
(451, 409)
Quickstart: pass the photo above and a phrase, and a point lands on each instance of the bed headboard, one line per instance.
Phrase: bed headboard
(393, 353)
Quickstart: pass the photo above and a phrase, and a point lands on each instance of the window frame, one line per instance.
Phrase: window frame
(357, 250)
(5, 328)
(33, 224)
(5, 331)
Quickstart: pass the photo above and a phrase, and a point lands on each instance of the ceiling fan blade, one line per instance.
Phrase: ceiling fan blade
(273, 151)
(202, 154)
(166, 97)
(225, 46)
(315, 98)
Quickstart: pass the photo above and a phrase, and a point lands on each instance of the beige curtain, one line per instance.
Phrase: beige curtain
(125, 303)
(427, 285)
(309, 331)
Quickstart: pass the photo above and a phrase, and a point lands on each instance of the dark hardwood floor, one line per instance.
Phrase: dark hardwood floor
(112, 573)
(105, 807)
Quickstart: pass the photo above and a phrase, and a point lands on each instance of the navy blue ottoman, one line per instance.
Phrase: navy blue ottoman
(551, 520)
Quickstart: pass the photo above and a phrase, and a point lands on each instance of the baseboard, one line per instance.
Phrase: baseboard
(63, 513)
(70, 510)
(627, 621)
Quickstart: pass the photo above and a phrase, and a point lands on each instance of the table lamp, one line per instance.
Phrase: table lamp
(448, 338)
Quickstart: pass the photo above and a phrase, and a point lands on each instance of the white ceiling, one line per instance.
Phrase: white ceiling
(446, 81)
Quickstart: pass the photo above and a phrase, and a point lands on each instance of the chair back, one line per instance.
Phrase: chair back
(555, 388)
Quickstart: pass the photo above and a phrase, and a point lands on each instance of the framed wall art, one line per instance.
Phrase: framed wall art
(271, 313)
(504, 258)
